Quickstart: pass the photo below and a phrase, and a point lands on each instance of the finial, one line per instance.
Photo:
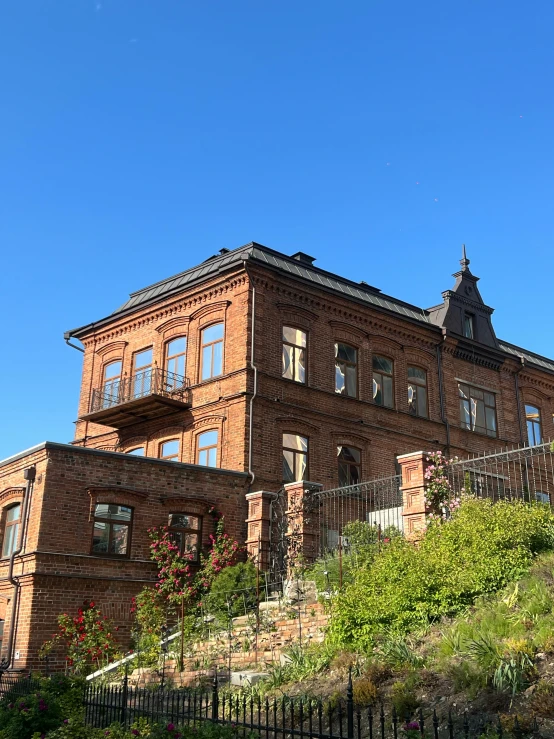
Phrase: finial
(464, 261)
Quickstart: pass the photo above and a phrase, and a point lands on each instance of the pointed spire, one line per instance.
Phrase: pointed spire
(464, 261)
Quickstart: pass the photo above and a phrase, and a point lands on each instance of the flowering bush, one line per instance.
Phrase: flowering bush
(88, 639)
(35, 713)
(439, 498)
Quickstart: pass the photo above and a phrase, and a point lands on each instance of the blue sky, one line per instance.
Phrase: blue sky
(138, 137)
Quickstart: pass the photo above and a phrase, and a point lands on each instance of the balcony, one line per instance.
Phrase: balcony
(141, 397)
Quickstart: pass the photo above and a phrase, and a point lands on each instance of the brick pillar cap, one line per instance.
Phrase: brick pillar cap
(412, 454)
(259, 493)
(304, 483)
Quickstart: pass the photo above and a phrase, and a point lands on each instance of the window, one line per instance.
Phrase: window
(212, 351)
(533, 416)
(542, 497)
(294, 354)
(110, 386)
(383, 388)
(469, 326)
(295, 457)
(185, 530)
(175, 360)
(346, 370)
(417, 392)
(170, 450)
(112, 525)
(477, 410)
(142, 371)
(349, 465)
(11, 530)
(207, 448)
(138, 452)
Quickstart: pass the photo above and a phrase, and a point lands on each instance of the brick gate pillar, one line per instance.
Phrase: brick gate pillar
(303, 532)
(414, 483)
(258, 521)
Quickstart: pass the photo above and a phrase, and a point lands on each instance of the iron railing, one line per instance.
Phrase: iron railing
(283, 717)
(377, 502)
(140, 385)
(522, 473)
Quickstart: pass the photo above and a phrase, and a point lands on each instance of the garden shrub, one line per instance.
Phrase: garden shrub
(479, 550)
(233, 591)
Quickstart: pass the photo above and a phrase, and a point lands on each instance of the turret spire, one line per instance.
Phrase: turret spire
(464, 261)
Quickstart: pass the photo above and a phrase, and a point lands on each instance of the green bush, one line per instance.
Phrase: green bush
(482, 548)
(234, 591)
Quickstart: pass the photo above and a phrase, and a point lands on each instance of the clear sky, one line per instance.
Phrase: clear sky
(138, 137)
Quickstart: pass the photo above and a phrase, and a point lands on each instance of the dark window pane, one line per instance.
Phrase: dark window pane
(100, 537)
(377, 389)
(382, 364)
(288, 466)
(120, 536)
(418, 375)
(351, 381)
(388, 399)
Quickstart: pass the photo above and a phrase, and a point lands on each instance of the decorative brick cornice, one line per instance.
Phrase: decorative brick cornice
(221, 305)
(113, 346)
(150, 315)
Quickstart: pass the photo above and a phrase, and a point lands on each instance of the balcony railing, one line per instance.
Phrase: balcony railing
(142, 396)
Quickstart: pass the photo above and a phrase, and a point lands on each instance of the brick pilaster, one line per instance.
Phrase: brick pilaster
(258, 522)
(413, 467)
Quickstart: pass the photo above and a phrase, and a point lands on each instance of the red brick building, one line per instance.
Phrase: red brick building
(251, 369)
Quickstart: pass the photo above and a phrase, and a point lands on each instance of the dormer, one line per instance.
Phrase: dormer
(463, 312)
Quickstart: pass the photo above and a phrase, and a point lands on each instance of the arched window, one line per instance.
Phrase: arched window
(349, 459)
(142, 373)
(185, 530)
(383, 384)
(207, 448)
(112, 529)
(139, 451)
(294, 354)
(11, 530)
(346, 370)
(170, 450)
(295, 457)
(211, 364)
(111, 383)
(534, 428)
(417, 392)
(175, 362)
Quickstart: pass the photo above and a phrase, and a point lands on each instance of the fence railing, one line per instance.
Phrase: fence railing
(377, 502)
(154, 381)
(524, 473)
(282, 717)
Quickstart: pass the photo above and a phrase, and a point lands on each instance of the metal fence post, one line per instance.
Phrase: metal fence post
(350, 707)
(215, 698)
(124, 696)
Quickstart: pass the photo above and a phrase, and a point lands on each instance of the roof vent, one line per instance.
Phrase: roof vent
(300, 256)
(224, 251)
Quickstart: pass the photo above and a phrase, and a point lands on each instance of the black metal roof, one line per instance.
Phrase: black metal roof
(296, 267)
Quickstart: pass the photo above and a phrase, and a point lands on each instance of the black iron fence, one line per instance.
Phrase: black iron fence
(275, 718)
(377, 502)
(522, 473)
(286, 717)
(153, 381)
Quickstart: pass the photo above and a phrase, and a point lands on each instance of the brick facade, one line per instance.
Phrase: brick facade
(57, 571)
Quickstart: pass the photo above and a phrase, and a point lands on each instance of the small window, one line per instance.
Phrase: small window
(170, 450)
(138, 452)
(112, 527)
(477, 410)
(417, 392)
(111, 384)
(175, 362)
(534, 431)
(346, 370)
(469, 326)
(11, 530)
(349, 459)
(295, 457)
(212, 351)
(142, 373)
(207, 448)
(542, 497)
(186, 531)
(294, 354)
(383, 385)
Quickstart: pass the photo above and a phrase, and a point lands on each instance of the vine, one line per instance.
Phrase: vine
(440, 500)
